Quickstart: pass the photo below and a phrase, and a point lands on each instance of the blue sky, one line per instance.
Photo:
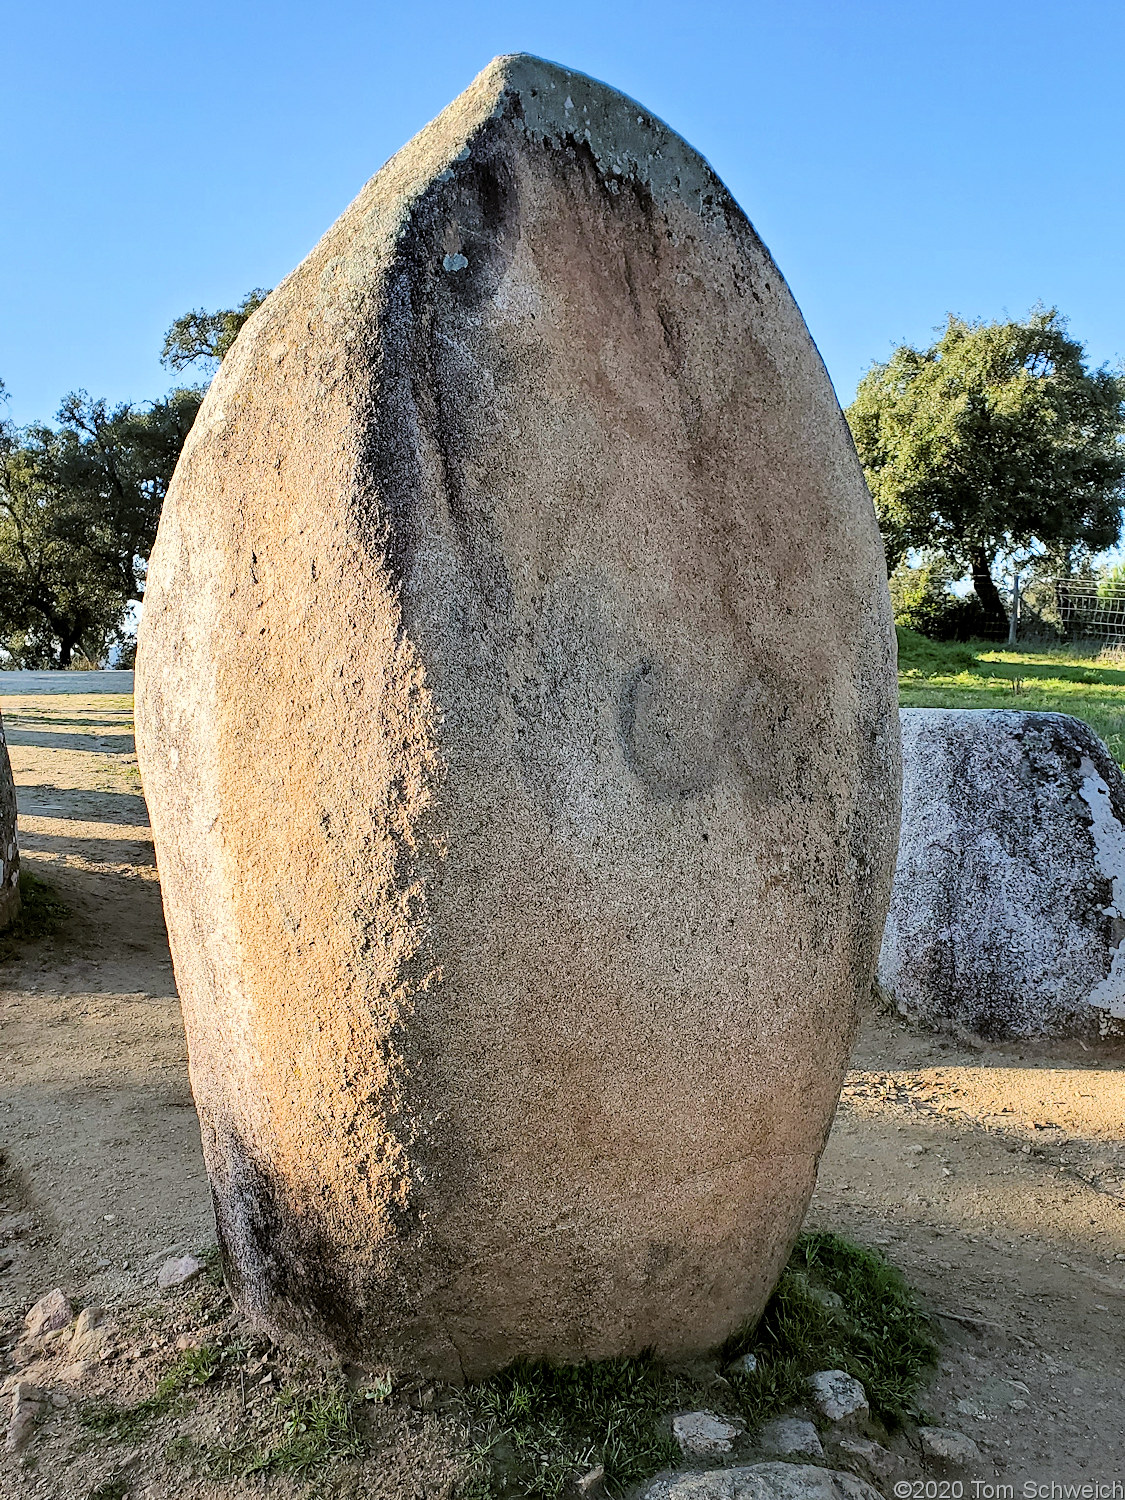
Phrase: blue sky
(900, 160)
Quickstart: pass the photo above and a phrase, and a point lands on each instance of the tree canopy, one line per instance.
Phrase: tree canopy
(79, 505)
(995, 438)
(80, 500)
(200, 335)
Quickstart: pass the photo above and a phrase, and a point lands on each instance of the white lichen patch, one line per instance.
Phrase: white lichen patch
(1109, 843)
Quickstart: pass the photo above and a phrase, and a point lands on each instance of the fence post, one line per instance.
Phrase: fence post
(1014, 620)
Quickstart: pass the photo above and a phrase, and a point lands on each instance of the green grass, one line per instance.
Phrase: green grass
(1058, 679)
(318, 1428)
(42, 912)
(126, 1422)
(543, 1425)
(305, 1432)
(837, 1306)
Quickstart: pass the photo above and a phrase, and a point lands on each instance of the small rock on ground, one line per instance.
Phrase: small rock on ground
(50, 1313)
(997, 1394)
(869, 1459)
(745, 1364)
(89, 1333)
(837, 1395)
(703, 1434)
(791, 1435)
(946, 1446)
(763, 1482)
(176, 1271)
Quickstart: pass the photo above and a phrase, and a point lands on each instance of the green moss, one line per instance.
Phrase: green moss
(42, 913)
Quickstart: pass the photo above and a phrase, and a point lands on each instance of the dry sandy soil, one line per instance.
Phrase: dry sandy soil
(995, 1177)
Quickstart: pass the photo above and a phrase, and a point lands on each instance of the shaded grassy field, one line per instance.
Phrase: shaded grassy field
(980, 675)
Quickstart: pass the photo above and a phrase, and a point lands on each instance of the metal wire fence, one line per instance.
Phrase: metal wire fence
(1091, 609)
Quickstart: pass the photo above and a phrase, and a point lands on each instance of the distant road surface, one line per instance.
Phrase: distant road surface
(30, 684)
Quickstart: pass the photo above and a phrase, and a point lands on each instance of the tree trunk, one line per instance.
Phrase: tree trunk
(66, 652)
(987, 592)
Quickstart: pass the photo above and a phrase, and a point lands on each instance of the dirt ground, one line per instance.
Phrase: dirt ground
(995, 1177)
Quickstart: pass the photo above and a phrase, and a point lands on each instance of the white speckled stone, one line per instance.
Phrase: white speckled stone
(837, 1395)
(1009, 895)
(791, 1435)
(947, 1446)
(704, 1434)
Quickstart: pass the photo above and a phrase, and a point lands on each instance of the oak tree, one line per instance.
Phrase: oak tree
(996, 438)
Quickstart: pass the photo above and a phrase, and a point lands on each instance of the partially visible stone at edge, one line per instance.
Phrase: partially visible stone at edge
(769, 1481)
(515, 701)
(1009, 898)
(9, 851)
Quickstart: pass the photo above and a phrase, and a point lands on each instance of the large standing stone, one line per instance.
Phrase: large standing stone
(1009, 898)
(9, 850)
(516, 713)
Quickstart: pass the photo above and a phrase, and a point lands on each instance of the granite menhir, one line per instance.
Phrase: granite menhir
(516, 708)
(9, 849)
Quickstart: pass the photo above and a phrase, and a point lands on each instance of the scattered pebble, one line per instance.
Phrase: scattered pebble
(998, 1394)
(177, 1271)
(745, 1364)
(27, 1406)
(947, 1446)
(869, 1459)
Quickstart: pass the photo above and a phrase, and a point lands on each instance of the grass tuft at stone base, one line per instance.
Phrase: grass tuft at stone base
(837, 1306)
(541, 1425)
(235, 1411)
